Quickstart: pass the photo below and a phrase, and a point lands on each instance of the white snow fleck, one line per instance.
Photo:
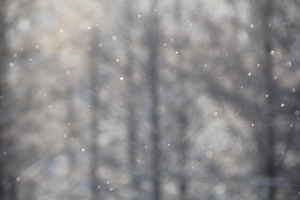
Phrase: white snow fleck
(209, 154)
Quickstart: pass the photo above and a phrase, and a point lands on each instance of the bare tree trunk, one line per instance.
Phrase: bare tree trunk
(3, 52)
(268, 128)
(182, 116)
(153, 35)
(2, 156)
(132, 122)
(182, 120)
(271, 169)
(155, 131)
(72, 133)
(267, 65)
(132, 134)
(94, 149)
(131, 96)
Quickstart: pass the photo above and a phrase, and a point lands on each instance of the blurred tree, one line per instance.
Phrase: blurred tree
(182, 114)
(132, 97)
(277, 107)
(8, 179)
(270, 111)
(82, 67)
(95, 116)
(3, 124)
(153, 33)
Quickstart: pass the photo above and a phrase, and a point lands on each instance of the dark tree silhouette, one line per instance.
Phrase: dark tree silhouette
(152, 29)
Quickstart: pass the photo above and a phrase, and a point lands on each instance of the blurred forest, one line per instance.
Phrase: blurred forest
(149, 100)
